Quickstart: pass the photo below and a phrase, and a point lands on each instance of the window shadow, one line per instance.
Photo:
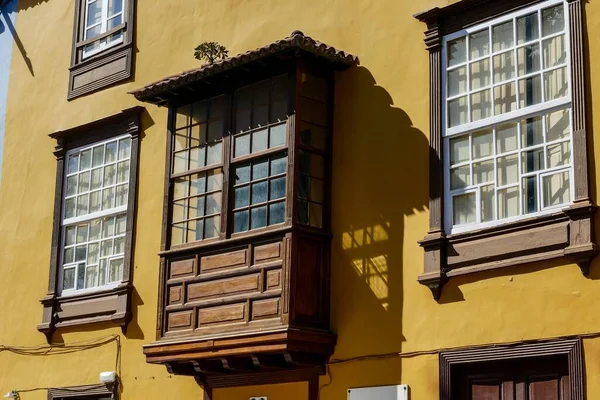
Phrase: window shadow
(380, 177)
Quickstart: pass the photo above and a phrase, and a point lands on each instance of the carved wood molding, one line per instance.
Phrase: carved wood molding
(569, 233)
(572, 348)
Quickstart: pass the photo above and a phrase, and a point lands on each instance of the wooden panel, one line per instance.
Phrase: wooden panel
(224, 287)
(481, 391)
(182, 268)
(180, 320)
(307, 279)
(267, 252)
(544, 390)
(265, 308)
(221, 314)
(175, 294)
(226, 260)
(513, 243)
(273, 279)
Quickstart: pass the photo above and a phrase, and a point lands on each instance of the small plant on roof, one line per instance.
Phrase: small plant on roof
(210, 52)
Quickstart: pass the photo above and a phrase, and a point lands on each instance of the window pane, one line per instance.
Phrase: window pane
(502, 36)
(240, 221)
(315, 215)
(124, 148)
(69, 278)
(242, 174)
(121, 195)
(116, 270)
(483, 172)
(108, 198)
(115, 6)
(198, 183)
(481, 105)
(558, 154)
(70, 208)
(508, 202)
(459, 149)
(457, 81)
(553, 20)
(277, 188)
(212, 226)
(258, 217)
(479, 44)
(480, 74)
(260, 170)
(69, 235)
(527, 28)
(80, 276)
(457, 111)
(555, 51)
(460, 177)
(487, 203)
(556, 189)
(242, 196)
(278, 165)
(197, 159)
(311, 164)
(276, 213)
(463, 207)
(180, 210)
(94, 13)
(71, 185)
(82, 204)
(180, 161)
(558, 125)
(96, 178)
(93, 251)
(259, 192)
(113, 23)
(457, 51)
(302, 212)
(277, 135)
(98, 156)
(68, 255)
(556, 84)
(214, 153)
(508, 169)
(532, 132)
(73, 163)
(123, 171)
(111, 152)
(85, 160)
(504, 66)
(528, 59)
(532, 160)
(109, 175)
(177, 234)
(507, 138)
(95, 229)
(213, 203)
(242, 145)
(530, 91)
(505, 98)
(121, 224)
(530, 195)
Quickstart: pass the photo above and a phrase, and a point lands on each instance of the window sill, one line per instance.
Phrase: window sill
(111, 305)
(567, 233)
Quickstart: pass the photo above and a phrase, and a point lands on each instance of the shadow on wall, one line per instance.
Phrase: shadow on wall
(7, 27)
(380, 176)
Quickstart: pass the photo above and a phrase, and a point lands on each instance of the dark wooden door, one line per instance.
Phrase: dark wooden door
(543, 378)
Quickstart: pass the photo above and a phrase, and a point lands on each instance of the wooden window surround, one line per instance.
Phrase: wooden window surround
(88, 392)
(247, 299)
(568, 232)
(549, 370)
(107, 57)
(110, 305)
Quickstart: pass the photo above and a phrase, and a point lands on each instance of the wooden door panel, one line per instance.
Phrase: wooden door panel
(544, 390)
(482, 391)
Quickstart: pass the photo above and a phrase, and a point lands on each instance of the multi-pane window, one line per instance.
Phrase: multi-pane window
(507, 133)
(102, 16)
(94, 214)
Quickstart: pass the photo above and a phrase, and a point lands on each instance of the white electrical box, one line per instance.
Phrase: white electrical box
(394, 392)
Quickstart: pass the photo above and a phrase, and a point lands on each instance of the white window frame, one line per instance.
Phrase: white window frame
(104, 43)
(90, 217)
(540, 109)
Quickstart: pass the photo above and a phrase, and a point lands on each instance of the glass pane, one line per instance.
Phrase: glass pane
(86, 160)
(277, 136)
(557, 189)
(113, 23)
(457, 111)
(212, 227)
(457, 51)
(111, 152)
(80, 276)
(558, 154)
(69, 278)
(73, 163)
(553, 20)
(460, 177)
(532, 160)
(482, 144)
(69, 235)
(242, 196)
(317, 190)
(315, 214)
(196, 208)
(215, 131)
(276, 213)
(98, 156)
(505, 98)
(260, 169)
(124, 148)
(181, 188)
(80, 253)
(179, 210)
(121, 195)
(214, 153)
(554, 51)
(198, 183)
(278, 165)
(302, 212)
(507, 138)
(82, 233)
(508, 202)
(123, 171)
(480, 74)
(115, 6)
(457, 81)
(459, 149)
(502, 36)
(108, 198)
(95, 229)
(82, 204)
(84, 182)
(200, 112)
(481, 105)
(504, 66)
(258, 217)
(528, 59)
(558, 125)
(311, 164)
(242, 145)
(508, 169)
(71, 185)
(70, 208)
(479, 44)
(277, 188)
(556, 84)
(463, 207)
(102, 273)
(259, 140)
(530, 195)
(483, 172)
(530, 91)
(177, 233)
(197, 158)
(242, 174)
(68, 255)
(95, 201)
(240, 221)
(487, 203)
(531, 132)
(91, 276)
(303, 186)
(199, 136)
(116, 270)
(94, 13)
(108, 227)
(213, 203)
(259, 192)
(180, 161)
(121, 224)
(96, 178)
(195, 230)
(183, 116)
(109, 175)
(93, 251)
(527, 28)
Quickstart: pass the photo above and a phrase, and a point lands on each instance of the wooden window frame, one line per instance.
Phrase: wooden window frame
(572, 348)
(106, 67)
(568, 232)
(95, 391)
(113, 304)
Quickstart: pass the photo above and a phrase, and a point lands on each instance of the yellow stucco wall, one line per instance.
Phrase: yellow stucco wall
(380, 158)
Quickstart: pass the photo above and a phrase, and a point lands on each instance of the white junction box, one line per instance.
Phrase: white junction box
(393, 392)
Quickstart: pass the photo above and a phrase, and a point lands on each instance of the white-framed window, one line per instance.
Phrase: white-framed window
(94, 215)
(507, 120)
(102, 16)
